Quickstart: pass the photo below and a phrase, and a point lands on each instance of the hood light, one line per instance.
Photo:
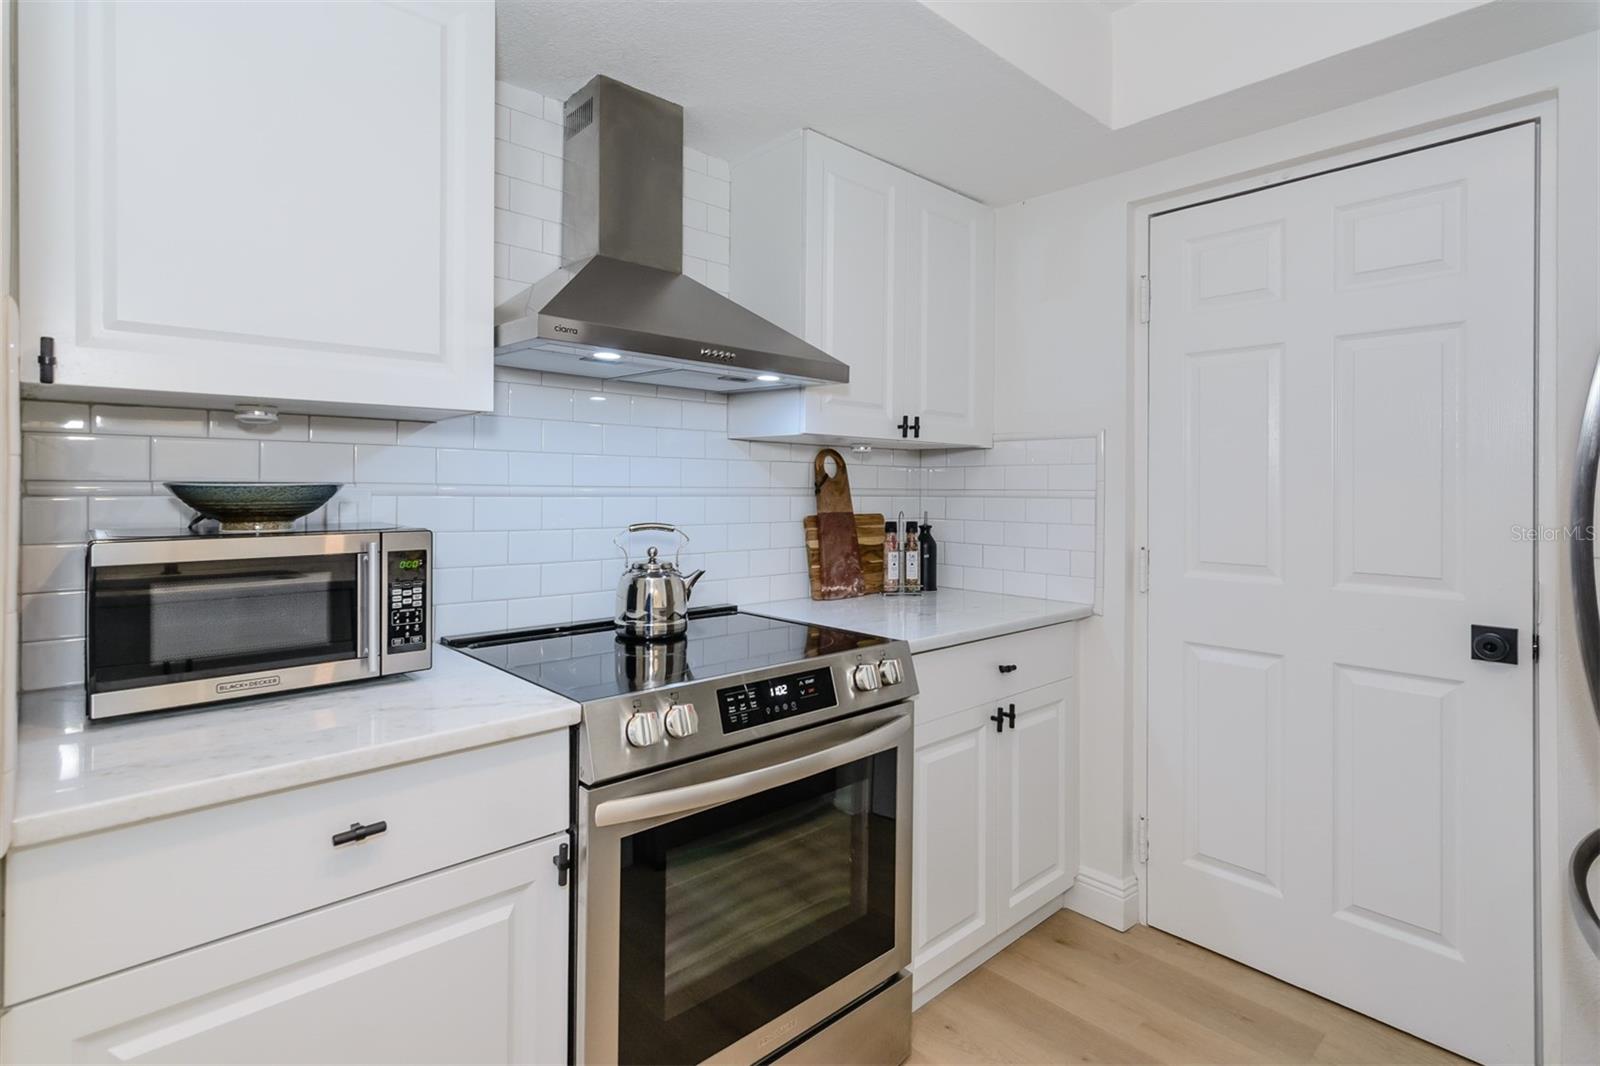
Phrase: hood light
(768, 378)
(607, 357)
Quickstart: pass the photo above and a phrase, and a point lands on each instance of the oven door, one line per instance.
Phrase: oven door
(172, 623)
(727, 906)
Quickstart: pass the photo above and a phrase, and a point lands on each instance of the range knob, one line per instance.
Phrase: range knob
(644, 729)
(864, 678)
(682, 721)
(890, 673)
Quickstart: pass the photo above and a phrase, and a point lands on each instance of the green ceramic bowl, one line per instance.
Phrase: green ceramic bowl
(252, 508)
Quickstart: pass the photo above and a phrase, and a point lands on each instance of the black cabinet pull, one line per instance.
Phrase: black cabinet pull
(905, 425)
(563, 860)
(1011, 715)
(358, 832)
(916, 428)
(999, 720)
(1008, 668)
(47, 360)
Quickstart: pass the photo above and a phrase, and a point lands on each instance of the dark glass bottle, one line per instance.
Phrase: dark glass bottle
(930, 557)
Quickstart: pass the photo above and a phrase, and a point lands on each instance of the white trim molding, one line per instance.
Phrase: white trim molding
(1109, 900)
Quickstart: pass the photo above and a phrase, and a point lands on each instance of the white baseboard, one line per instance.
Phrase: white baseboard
(1112, 901)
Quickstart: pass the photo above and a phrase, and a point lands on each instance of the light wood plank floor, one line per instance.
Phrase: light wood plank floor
(1073, 990)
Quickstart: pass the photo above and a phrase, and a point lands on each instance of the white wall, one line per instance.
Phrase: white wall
(1065, 338)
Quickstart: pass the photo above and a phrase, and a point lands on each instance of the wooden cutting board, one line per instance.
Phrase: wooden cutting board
(838, 554)
(869, 542)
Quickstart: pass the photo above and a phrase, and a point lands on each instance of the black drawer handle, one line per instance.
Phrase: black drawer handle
(1008, 668)
(999, 720)
(358, 832)
(1011, 715)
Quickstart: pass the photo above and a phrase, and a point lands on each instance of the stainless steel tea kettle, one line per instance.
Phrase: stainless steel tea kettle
(653, 596)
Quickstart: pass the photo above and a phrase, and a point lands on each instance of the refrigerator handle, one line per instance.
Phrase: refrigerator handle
(1586, 613)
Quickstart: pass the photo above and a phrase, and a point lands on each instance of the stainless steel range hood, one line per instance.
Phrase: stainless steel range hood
(620, 305)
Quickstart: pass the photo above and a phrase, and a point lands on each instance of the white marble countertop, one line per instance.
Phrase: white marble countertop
(76, 777)
(932, 620)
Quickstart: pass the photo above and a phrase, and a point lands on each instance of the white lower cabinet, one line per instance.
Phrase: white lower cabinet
(468, 964)
(995, 816)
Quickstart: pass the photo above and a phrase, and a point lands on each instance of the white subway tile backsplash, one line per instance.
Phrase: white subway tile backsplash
(51, 567)
(203, 459)
(540, 468)
(451, 433)
(148, 421)
(63, 457)
(442, 514)
(585, 437)
(459, 466)
(51, 615)
(470, 549)
(392, 465)
(505, 582)
(540, 546)
(41, 416)
(303, 461)
(137, 512)
(326, 429)
(51, 663)
(508, 512)
(559, 578)
(53, 519)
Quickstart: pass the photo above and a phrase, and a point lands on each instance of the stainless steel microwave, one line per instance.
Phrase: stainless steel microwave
(178, 621)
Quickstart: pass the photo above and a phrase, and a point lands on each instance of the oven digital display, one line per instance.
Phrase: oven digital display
(774, 699)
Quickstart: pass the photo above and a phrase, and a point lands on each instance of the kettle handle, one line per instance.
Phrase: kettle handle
(651, 527)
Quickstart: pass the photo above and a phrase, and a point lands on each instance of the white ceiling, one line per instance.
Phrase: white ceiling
(895, 80)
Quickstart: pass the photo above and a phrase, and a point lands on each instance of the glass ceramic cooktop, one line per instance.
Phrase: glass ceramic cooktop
(588, 661)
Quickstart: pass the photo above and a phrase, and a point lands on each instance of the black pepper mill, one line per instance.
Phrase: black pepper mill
(930, 557)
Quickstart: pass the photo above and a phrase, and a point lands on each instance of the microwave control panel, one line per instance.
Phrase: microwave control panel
(408, 601)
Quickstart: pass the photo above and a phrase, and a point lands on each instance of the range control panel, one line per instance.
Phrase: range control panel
(408, 601)
(775, 698)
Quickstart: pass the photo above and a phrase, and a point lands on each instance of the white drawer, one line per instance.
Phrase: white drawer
(88, 906)
(954, 679)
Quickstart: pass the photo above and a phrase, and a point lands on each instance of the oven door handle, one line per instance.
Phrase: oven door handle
(627, 809)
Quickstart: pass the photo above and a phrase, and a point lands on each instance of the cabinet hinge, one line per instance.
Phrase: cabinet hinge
(1144, 839)
(1534, 646)
(1142, 569)
(563, 860)
(1144, 297)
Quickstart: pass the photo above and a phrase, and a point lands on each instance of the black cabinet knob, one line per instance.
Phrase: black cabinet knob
(1008, 668)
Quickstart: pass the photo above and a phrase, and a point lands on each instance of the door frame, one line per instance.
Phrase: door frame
(1548, 512)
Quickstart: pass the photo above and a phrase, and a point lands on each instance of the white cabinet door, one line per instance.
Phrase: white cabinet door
(465, 965)
(898, 283)
(951, 878)
(246, 201)
(945, 355)
(853, 257)
(1036, 857)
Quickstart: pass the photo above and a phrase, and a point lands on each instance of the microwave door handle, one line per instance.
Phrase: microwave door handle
(374, 601)
(650, 805)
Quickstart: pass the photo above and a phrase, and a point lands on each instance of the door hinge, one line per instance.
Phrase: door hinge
(1533, 646)
(563, 861)
(1144, 297)
(1142, 569)
(1144, 839)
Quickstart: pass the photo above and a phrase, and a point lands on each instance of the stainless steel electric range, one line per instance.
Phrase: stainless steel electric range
(743, 838)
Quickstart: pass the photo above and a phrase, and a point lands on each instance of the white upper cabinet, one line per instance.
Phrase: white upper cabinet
(884, 270)
(287, 203)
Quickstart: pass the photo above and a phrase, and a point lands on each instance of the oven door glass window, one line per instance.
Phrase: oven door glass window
(732, 916)
(155, 623)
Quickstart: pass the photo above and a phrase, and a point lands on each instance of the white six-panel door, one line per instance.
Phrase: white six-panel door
(1341, 457)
